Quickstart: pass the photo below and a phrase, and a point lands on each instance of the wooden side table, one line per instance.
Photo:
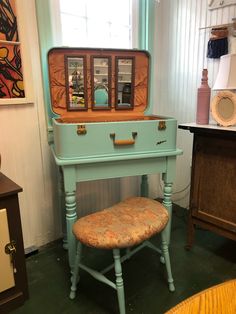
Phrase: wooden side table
(213, 180)
(215, 300)
(13, 279)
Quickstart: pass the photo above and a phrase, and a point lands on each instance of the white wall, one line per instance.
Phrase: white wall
(26, 158)
(180, 57)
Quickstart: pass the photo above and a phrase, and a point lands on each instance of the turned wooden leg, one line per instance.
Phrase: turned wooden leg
(166, 256)
(119, 281)
(71, 217)
(75, 276)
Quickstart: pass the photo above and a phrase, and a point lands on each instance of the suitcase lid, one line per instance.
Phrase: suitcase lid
(88, 84)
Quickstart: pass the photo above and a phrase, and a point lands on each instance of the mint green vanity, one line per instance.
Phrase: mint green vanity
(112, 139)
(100, 119)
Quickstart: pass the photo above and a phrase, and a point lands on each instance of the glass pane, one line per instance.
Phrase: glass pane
(98, 33)
(110, 10)
(119, 12)
(73, 7)
(76, 88)
(93, 23)
(125, 74)
(101, 69)
(74, 31)
(121, 36)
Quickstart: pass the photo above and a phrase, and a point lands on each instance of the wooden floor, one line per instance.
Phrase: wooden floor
(211, 261)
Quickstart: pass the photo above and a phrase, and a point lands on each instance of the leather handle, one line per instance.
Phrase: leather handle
(123, 142)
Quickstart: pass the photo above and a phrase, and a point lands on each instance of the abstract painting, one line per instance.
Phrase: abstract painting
(11, 77)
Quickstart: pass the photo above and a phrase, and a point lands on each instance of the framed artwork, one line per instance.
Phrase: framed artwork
(11, 73)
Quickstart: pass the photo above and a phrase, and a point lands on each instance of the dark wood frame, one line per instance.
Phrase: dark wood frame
(210, 210)
(117, 58)
(109, 82)
(15, 296)
(85, 82)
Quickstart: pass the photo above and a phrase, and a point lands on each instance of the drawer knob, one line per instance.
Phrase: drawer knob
(10, 249)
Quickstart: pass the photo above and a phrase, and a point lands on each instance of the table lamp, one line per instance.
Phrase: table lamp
(223, 105)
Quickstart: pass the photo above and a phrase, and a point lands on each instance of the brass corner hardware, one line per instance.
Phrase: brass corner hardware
(81, 129)
(161, 125)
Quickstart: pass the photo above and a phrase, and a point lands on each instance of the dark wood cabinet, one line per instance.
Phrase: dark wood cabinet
(17, 292)
(213, 180)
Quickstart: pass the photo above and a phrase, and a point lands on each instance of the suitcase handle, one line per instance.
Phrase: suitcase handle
(123, 142)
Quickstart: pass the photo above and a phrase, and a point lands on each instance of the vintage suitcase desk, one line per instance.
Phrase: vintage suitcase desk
(102, 128)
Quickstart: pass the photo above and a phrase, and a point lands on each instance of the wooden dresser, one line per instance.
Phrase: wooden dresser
(13, 279)
(213, 180)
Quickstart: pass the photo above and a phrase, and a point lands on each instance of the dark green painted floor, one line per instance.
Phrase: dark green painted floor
(211, 261)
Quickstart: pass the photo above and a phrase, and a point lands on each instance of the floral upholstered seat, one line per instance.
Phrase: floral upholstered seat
(131, 222)
(125, 224)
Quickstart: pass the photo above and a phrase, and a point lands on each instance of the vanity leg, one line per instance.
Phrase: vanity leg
(168, 204)
(61, 199)
(69, 173)
(71, 218)
(144, 186)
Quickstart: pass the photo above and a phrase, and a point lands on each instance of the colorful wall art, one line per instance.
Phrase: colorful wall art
(11, 77)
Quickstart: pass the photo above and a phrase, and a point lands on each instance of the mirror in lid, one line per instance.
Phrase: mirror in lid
(125, 83)
(101, 82)
(76, 83)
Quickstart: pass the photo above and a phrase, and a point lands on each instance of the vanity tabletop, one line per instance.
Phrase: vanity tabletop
(212, 128)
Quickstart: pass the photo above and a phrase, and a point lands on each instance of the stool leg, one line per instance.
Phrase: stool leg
(119, 281)
(165, 253)
(75, 276)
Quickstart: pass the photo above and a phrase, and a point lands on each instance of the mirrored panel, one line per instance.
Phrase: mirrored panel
(101, 83)
(76, 96)
(125, 83)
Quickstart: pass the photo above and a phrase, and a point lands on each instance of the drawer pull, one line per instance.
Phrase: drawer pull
(123, 142)
(10, 249)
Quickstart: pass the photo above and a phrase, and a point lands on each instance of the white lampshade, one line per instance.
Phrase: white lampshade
(226, 77)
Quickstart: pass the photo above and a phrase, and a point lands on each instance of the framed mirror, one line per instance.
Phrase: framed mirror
(75, 83)
(125, 83)
(101, 82)
(223, 108)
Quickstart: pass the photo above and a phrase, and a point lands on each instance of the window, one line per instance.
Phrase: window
(93, 23)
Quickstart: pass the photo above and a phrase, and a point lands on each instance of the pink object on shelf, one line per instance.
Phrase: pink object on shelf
(203, 100)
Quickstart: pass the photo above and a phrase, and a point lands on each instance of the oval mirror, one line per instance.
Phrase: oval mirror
(223, 108)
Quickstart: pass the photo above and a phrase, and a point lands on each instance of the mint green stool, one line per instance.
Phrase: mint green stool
(129, 223)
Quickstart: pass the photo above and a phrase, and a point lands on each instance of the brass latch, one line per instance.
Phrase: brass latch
(10, 249)
(162, 125)
(81, 129)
